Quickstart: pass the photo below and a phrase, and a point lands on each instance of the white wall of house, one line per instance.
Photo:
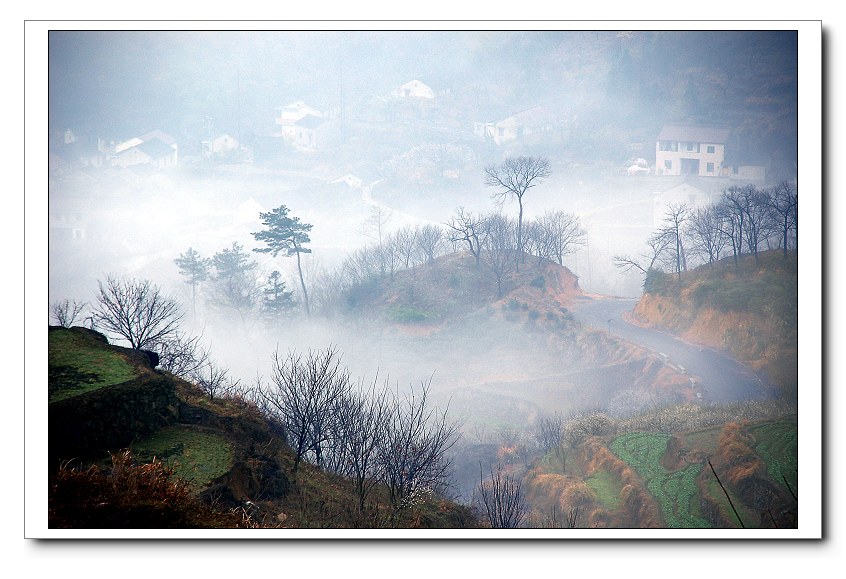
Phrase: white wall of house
(710, 157)
(415, 88)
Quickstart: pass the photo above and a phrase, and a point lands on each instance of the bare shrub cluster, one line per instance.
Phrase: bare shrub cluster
(371, 435)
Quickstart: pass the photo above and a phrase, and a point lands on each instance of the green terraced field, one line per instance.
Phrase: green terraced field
(777, 444)
(675, 492)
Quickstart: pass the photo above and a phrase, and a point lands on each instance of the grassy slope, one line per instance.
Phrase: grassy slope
(222, 452)
(79, 364)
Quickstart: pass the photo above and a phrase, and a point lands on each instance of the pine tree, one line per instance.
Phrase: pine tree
(196, 269)
(285, 234)
(277, 300)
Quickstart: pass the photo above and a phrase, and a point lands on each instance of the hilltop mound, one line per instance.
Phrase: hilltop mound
(454, 285)
(749, 309)
(132, 446)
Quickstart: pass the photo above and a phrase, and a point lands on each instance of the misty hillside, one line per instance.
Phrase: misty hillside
(384, 278)
(499, 361)
(217, 462)
(131, 447)
(749, 308)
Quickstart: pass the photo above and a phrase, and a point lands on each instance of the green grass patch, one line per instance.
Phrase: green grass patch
(195, 455)
(676, 492)
(777, 444)
(78, 365)
(404, 314)
(607, 488)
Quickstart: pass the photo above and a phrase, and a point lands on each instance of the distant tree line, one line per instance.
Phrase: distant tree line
(744, 220)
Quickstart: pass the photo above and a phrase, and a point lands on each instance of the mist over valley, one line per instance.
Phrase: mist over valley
(479, 215)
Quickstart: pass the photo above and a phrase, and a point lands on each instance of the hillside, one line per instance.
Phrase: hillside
(502, 360)
(148, 450)
(748, 309)
(686, 467)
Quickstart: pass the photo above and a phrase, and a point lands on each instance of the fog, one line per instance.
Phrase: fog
(593, 103)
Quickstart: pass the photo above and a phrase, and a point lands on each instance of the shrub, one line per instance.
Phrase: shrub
(537, 282)
(657, 282)
(409, 315)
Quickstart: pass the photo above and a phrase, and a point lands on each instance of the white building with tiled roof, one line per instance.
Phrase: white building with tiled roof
(691, 150)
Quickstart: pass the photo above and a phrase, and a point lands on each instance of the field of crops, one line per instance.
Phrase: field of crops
(676, 492)
(777, 444)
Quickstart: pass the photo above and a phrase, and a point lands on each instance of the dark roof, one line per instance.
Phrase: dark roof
(694, 133)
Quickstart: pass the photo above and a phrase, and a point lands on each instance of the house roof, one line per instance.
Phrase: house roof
(157, 134)
(532, 116)
(310, 122)
(694, 133)
(155, 148)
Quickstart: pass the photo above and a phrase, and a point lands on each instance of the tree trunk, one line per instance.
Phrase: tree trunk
(302, 285)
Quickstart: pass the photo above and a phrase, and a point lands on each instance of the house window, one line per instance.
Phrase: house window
(710, 167)
(692, 147)
(668, 164)
(711, 148)
(669, 145)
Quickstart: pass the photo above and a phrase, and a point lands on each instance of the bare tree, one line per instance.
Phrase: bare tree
(502, 498)
(500, 249)
(784, 204)
(430, 242)
(549, 434)
(303, 395)
(136, 310)
(732, 219)
(414, 449)
(514, 177)
(404, 241)
(470, 229)
(213, 379)
(359, 429)
(647, 262)
(181, 355)
(65, 312)
(707, 239)
(557, 233)
(673, 230)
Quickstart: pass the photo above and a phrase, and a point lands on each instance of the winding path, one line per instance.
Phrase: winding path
(718, 377)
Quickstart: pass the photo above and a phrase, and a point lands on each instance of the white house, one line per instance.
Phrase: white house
(155, 147)
(685, 149)
(290, 114)
(153, 152)
(413, 89)
(220, 144)
(533, 123)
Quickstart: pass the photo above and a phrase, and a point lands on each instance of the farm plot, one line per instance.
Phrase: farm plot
(777, 444)
(676, 492)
